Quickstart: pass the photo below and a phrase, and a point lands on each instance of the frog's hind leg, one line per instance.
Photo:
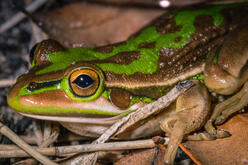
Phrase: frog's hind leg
(176, 137)
(225, 109)
(225, 72)
(192, 109)
(232, 105)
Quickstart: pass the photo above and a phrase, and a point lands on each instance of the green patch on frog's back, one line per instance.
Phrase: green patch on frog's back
(147, 63)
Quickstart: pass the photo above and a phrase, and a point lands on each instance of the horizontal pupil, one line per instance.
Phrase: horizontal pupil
(83, 81)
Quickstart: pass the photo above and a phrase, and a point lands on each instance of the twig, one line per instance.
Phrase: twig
(8, 147)
(190, 155)
(12, 136)
(65, 138)
(51, 133)
(63, 150)
(7, 82)
(20, 16)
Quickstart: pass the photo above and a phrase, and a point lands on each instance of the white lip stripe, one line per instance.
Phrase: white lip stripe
(107, 121)
(86, 120)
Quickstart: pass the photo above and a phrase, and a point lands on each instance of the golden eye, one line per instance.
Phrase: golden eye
(84, 82)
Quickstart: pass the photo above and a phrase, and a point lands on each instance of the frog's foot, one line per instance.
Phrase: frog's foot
(201, 136)
(232, 105)
(192, 109)
(225, 109)
(208, 136)
(176, 128)
(212, 131)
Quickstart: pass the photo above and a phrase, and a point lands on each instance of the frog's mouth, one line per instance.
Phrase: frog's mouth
(101, 119)
(72, 117)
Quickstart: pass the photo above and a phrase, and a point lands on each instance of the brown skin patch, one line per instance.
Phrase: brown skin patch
(120, 98)
(153, 92)
(166, 24)
(178, 39)
(123, 58)
(105, 49)
(147, 45)
(108, 48)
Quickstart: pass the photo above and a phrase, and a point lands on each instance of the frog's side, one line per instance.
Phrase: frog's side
(128, 74)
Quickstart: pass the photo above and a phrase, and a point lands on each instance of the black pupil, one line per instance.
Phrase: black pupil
(83, 81)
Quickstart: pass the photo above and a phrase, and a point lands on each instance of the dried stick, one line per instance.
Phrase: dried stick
(189, 154)
(7, 82)
(14, 151)
(50, 135)
(12, 136)
(20, 16)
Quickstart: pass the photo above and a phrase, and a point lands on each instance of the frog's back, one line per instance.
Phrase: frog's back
(173, 48)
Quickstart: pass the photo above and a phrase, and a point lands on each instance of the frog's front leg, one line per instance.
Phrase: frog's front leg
(192, 109)
(225, 72)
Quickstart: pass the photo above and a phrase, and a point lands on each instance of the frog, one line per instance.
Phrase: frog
(87, 89)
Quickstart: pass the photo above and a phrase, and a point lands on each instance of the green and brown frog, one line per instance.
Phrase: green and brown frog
(87, 89)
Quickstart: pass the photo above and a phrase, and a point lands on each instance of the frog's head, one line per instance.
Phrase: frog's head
(64, 87)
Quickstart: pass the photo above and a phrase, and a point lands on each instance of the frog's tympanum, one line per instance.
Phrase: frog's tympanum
(88, 89)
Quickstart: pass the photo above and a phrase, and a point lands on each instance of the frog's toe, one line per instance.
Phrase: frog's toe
(222, 134)
(208, 136)
(214, 132)
(210, 128)
(220, 119)
(201, 136)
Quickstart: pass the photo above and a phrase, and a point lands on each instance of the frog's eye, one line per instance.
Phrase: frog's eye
(84, 82)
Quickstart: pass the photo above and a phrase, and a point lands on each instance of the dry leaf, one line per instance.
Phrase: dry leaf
(92, 24)
(228, 151)
(143, 157)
